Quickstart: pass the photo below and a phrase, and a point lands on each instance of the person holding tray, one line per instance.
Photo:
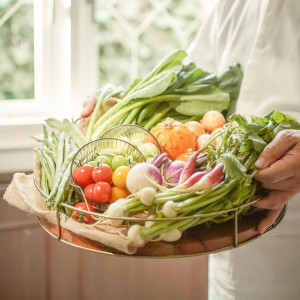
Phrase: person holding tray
(264, 37)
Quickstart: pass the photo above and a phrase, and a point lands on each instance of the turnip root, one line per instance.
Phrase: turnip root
(171, 236)
(147, 195)
(169, 210)
(134, 235)
(143, 175)
(115, 210)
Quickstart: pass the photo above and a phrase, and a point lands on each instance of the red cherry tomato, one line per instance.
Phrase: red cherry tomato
(89, 191)
(103, 173)
(83, 175)
(83, 217)
(102, 192)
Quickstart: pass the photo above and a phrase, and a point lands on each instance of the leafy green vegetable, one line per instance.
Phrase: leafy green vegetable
(183, 91)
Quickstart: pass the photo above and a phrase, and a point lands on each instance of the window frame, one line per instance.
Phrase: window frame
(58, 74)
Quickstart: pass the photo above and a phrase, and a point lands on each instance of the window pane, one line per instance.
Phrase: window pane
(134, 35)
(16, 50)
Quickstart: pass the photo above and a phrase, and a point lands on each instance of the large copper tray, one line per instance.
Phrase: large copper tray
(199, 240)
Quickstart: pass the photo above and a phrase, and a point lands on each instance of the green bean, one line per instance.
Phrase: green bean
(64, 180)
(45, 167)
(50, 164)
(58, 179)
(44, 184)
(60, 152)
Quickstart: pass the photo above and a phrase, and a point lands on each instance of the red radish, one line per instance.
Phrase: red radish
(173, 171)
(208, 180)
(212, 119)
(189, 168)
(190, 181)
(159, 160)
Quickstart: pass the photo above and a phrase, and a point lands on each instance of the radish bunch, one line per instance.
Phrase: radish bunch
(220, 180)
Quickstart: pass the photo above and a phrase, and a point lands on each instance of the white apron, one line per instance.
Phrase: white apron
(264, 36)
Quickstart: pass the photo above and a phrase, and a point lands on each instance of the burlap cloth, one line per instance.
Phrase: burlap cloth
(23, 194)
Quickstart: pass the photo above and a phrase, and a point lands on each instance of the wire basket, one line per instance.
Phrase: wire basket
(132, 133)
(103, 146)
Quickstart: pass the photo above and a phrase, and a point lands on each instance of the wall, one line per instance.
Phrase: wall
(34, 265)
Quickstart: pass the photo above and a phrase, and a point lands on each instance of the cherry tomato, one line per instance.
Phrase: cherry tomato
(83, 217)
(103, 173)
(89, 191)
(102, 159)
(118, 161)
(118, 193)
(83, 175)
(119, 176)
(102, 192)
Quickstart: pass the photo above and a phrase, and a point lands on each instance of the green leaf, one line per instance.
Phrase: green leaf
(258, 120)
(241, 120)
(257, 142)
(279, 117)
(233, 167)
(198, 105)
(157, 85)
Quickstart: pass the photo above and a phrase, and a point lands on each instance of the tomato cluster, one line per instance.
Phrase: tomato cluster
(83, 217)
(102, 184)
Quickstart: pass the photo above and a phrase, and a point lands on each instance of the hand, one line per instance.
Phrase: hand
(88, 107)
(280, 171)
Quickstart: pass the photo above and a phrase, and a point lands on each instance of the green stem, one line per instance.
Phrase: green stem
(131, 116)
(157, 117)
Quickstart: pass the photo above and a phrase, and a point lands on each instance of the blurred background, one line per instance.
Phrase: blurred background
(53, 55)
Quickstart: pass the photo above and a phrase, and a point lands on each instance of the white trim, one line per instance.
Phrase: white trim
(62, 78)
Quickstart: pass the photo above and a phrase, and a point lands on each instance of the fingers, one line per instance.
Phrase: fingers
(288, 184)
(275, 200)
(268, 220)
(88, 107)
(280, 170)
(283, 173)
(282, 142)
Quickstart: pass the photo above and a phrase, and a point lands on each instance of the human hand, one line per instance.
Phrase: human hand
(280, 172)
(88, 107)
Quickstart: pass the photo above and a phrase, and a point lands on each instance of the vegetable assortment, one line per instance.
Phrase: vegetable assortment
(220, 180)
(204, 172)
(173, 89)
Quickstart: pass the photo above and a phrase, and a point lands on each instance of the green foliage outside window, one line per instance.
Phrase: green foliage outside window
(16, 52)
(134, 35)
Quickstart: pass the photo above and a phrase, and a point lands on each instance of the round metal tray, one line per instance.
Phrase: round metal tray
(199, 240)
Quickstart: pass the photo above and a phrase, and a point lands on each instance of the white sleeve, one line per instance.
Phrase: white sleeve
(202, 49)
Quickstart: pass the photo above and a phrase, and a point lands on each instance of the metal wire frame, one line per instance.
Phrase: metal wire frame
(235, 210)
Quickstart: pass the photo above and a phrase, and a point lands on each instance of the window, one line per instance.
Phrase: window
(16, 50)
(54, 53)
(133, 36)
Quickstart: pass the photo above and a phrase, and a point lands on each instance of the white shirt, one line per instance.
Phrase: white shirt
(264, 37)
